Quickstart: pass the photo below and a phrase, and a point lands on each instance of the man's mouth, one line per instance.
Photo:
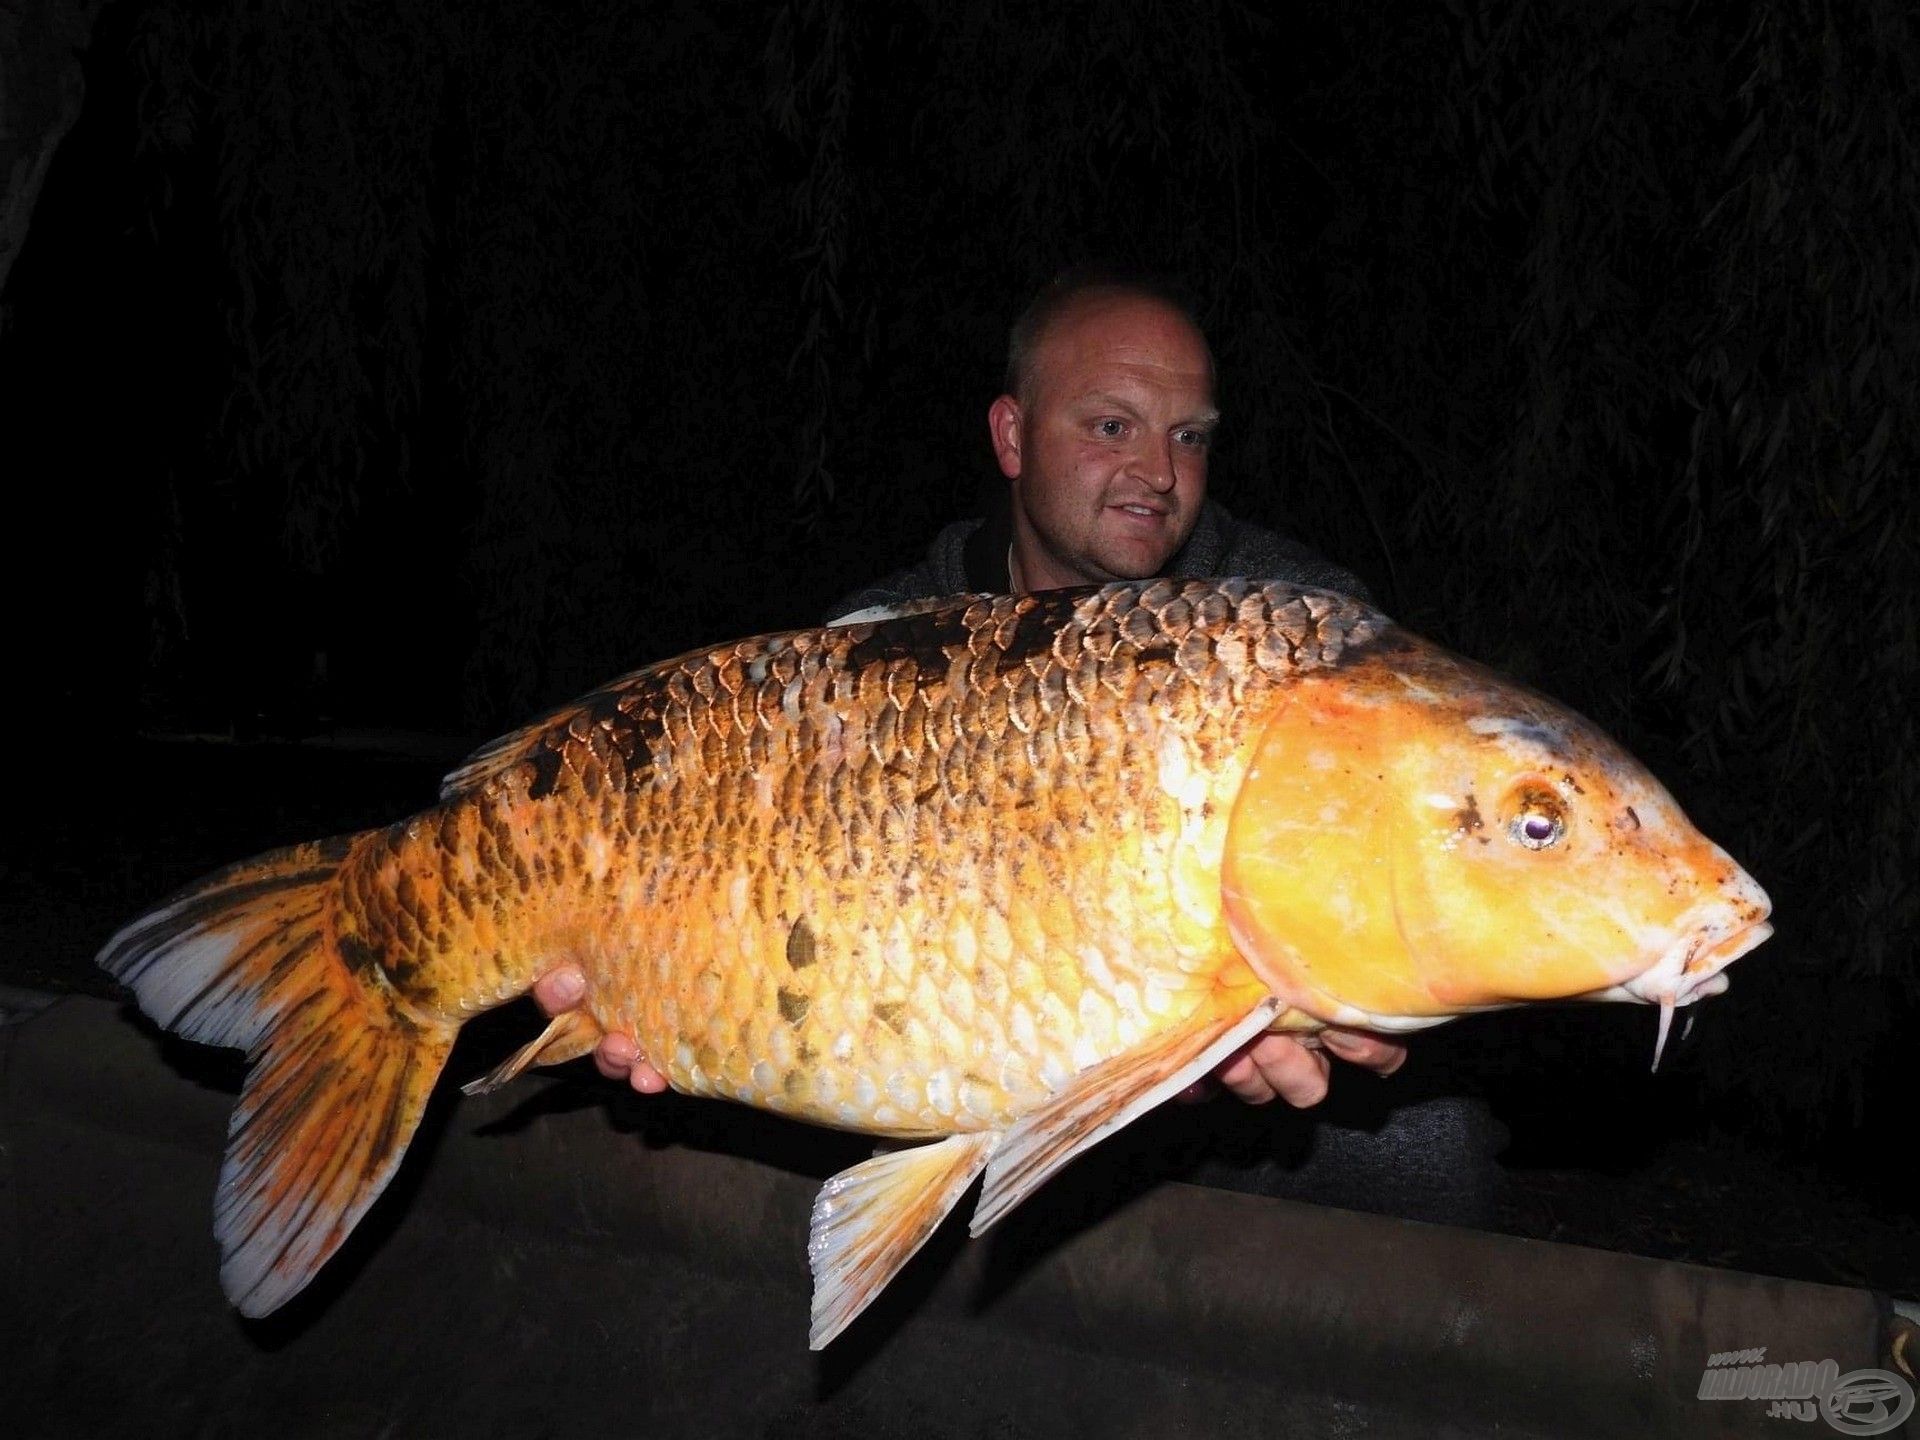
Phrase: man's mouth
(1143, 512)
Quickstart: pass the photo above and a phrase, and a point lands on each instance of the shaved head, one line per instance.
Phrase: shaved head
(1065, 292)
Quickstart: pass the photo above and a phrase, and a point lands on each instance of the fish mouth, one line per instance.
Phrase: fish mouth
(1702, 973)
(1694, 967)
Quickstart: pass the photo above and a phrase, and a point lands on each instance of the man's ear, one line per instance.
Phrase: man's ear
(1003, 424)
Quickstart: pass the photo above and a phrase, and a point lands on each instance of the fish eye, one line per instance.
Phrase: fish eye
(1539, 818)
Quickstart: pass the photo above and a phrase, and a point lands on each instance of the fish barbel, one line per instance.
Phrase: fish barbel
(996, 873)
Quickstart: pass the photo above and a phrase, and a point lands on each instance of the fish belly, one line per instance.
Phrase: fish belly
(932, 995)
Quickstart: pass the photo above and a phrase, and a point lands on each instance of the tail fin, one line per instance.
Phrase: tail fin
(341, 1075)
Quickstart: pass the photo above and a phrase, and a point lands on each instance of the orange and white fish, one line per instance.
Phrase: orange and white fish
(994, 873)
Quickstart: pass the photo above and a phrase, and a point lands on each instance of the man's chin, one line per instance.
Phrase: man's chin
(1134, 562)
(1112, 559)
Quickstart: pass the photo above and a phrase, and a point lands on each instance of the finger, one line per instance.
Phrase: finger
(644, 1078)
(1243, 1079)
(618, 1058)
(616, 1055)
(560, 989)
(1369, 1052)
(1296, 1074)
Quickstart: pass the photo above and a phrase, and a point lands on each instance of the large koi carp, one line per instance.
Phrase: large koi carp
(996, 874)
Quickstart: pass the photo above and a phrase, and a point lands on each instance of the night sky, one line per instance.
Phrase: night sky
(412, 367)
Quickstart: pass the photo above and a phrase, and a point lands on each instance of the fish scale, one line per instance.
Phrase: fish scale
(971, 1039)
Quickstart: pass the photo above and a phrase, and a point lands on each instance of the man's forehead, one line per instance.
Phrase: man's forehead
(1123, 330)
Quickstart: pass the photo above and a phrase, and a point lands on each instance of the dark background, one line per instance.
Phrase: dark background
(408, 367)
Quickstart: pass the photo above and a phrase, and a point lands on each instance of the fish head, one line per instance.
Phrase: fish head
(1417, 838)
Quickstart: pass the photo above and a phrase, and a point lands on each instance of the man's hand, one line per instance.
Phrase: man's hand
(617, 1057)
(1279, 1067)
(1269, 1067)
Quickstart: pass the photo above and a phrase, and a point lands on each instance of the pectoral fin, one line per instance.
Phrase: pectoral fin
(869, 1220)
(1100, 1100)
(569, 1035)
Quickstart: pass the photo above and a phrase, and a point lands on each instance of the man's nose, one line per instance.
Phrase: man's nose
(1153, 464)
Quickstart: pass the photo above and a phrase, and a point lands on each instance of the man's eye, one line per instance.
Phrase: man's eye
(1193, 439)
(1109, 429)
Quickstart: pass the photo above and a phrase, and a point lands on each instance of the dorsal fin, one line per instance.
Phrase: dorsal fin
(531, 740)
(497, 756)
(516, 746)
(899, 609)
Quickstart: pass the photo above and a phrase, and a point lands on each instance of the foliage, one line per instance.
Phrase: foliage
(1797, 668)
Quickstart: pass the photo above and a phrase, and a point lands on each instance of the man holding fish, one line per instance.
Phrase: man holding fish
(1103, 434)
(996, 874)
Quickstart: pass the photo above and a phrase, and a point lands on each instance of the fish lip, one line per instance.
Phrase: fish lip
(1713, 959)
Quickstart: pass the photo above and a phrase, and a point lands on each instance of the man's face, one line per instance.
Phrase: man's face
(1107, 449)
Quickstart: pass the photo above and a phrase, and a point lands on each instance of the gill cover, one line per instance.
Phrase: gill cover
(1416, 838)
